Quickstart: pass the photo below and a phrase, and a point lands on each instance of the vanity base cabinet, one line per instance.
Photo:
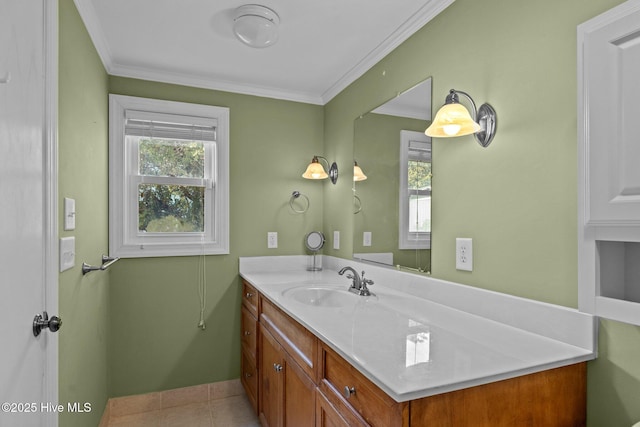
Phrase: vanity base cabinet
(553, 398)
(296, 380)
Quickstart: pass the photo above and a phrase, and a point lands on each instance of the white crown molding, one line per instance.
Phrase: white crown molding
(212, 83)
(92, 23)
(417, 21)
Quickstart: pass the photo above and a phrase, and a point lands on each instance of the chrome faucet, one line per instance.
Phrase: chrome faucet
(359, 283)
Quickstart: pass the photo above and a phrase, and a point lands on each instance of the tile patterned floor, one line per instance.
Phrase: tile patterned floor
(235, 411)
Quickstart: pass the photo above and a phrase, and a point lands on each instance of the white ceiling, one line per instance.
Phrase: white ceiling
(324, 45)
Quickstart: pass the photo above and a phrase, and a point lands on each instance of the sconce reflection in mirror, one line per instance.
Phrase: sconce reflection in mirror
(315, 170)
(358, 175)
(453, 119)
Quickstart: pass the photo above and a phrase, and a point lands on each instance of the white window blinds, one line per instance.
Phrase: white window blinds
(141, 123)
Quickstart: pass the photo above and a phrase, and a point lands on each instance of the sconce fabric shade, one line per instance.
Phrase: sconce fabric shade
(452, 120)
(256, 25)
(358, 175)
(315, 170)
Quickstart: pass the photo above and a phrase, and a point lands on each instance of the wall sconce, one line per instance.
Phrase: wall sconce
(358, 175)
(315, 170)
(453, 119)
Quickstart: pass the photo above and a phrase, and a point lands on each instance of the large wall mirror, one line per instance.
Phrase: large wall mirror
(392, 206)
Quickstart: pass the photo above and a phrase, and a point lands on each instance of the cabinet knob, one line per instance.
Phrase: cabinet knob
(277, 367)
(349, 391)
(248, 295)
(247, 375)
(247, 332)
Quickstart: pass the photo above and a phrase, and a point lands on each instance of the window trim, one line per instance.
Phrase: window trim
(124, 239)
(406, 239)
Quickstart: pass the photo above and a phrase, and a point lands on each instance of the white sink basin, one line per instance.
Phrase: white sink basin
(321, 296)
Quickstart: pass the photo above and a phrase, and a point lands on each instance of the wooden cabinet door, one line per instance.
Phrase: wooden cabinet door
(287, 394)
(299, 396)
(271, 380)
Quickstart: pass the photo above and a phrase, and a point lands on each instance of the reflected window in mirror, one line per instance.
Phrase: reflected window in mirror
(415, 191)
(376, 236)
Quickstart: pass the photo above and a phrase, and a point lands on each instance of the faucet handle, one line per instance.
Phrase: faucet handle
(366, 281)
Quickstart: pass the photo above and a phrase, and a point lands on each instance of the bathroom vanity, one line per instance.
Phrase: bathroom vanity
(420, 352)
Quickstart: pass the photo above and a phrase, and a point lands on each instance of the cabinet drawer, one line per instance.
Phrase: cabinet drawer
(249, 379)
(329, 416)
(248, 328)
(297, 341)
(250, 298)
(343, 385)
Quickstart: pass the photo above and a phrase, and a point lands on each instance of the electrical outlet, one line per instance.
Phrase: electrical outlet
(366, 238)
(464, 254)
(272, 239)
(336, 240)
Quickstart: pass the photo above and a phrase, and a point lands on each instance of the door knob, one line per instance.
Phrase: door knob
(42, 321)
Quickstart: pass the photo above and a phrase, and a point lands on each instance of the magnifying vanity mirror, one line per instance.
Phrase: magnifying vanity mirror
(392, 206)
(314, 241)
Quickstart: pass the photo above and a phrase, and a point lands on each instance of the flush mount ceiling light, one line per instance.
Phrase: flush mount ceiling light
(256, 25)
(453, 119)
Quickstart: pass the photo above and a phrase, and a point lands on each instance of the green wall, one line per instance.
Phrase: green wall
(83, 168)
(154, 342)
(517, 198)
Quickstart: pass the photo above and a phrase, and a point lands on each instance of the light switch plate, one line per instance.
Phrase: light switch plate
(366, 238)
(69, 214)
(67, 253)
(336, 240)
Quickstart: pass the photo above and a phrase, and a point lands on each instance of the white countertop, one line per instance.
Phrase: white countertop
(413, 346)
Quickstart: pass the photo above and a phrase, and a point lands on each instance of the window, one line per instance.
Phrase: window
(168, 178)
(415, 190)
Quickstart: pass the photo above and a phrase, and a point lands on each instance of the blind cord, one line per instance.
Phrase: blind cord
(202, 287)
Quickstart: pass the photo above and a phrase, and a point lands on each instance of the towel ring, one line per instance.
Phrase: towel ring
(357, 203)
(294, 196)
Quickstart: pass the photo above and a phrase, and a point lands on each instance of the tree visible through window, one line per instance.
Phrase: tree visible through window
(419, 186)
(415, 191)
(171, 208)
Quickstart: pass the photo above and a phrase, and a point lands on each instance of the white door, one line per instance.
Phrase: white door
(28, 282)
